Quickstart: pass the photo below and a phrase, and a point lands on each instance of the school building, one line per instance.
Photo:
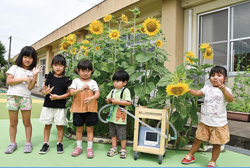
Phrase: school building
(225, 24)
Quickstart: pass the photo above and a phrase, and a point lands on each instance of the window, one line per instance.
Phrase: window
(228, 32)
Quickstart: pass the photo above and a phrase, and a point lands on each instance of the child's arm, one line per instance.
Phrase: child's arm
(195, 92)
(89, 99)
(55, 96)
(121, 102)
(11, 81)
(76, 91)
(225, 92)
(32, 80)
(109, 100)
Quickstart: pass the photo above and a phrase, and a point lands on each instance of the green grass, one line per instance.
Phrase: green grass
(35, 112)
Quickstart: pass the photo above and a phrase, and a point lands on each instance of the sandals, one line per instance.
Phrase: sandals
(112, 152)
(123, 154)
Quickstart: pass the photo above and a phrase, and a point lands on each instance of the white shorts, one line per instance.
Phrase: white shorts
(55, 116)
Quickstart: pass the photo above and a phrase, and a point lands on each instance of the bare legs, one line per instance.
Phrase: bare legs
(13, 115)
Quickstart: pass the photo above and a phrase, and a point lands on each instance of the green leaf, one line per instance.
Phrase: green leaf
(135, 76)
(160, 68)
(150, 87)
(139, 91)
(141, 57)
(165, 80)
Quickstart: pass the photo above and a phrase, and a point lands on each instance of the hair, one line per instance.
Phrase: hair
(219, 70)
(59, 59)
(84, 65)
(121, 76)
(27, 51)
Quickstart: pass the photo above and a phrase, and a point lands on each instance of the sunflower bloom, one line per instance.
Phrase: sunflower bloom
(86, 53)
(142, 30)
(107, 18)
(133, 30)
(204, 45)
(124, 18)
(177, 90)
(85, 42)
(73, 51)
(97, 48)
(71, 38)
(65, 44)
(114, 34)
(96, 27)
(151, 26)
(208, 54)
(190, 54)
(159, 43)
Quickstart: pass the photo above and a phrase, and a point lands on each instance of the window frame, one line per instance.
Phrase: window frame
(229, 40)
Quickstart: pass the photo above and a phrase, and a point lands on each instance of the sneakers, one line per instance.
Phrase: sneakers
(123, 153)
(211, 164)
(112, 152)
(77, 152)
(44, 149)
(59, 148)
(11, 148)
(90, 153)
(188, 159)
(27, 147)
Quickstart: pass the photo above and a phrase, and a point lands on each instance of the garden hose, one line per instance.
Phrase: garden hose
(153, 129)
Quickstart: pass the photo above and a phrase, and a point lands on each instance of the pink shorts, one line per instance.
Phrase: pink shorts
(16, 103)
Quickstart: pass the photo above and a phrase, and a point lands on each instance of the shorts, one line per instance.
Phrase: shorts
(17, 103)
(89, 118)
(215, 135)
(117, 130)
(55, 116)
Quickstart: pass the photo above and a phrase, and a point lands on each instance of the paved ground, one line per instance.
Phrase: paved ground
(172, 158)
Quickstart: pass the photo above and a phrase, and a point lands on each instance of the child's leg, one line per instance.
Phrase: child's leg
(47, 129)
(196, 145)
(90, 134)
(215, 152)
(27, 124)
(60, 133)
(13, 115)
(123, 144)
(114, 142)
(79, 131)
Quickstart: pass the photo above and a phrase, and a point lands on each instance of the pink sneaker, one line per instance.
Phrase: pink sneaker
(90, 153)
(77, 152)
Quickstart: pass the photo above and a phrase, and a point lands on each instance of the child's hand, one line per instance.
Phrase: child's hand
(53, 96)
(221, 86)
(115, 102)
(85, 87)
(48, 89)
(37, 69)
(87, 100)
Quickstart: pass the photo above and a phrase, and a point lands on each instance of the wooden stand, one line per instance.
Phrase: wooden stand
(144, 113)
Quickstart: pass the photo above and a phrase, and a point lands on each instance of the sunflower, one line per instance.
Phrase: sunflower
(96, 27)
(85, 42)
(142, 30)
(208, 54)
(86, 53)
(159, 43)
(207, 51)
(133, 30)
(114, 34)
(107, 18)
(177, 90)
(124, 18)
(97, 48)
(190, 54)
(73, 51)
(151, 26)
(71, 38)
(65, 44)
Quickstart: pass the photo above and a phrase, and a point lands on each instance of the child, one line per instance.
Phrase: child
(84, 106)
(213, 125)
(56, 91)
(120, 96)
(21, 78)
